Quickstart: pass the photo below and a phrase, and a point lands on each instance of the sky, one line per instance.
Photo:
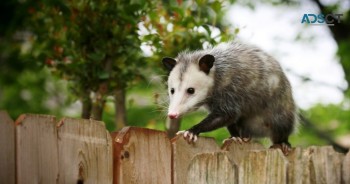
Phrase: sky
(275, 29)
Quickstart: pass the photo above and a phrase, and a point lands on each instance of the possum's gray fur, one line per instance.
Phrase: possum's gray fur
(251, 94)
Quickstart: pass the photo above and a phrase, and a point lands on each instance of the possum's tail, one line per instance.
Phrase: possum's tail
(321, 134)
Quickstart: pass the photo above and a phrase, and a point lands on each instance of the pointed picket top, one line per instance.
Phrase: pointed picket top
(85, 151)
(183, 153)
(141, 156)
(265, 166)
(315, 164)
(324, 164)
(36, 149)
(238, 151)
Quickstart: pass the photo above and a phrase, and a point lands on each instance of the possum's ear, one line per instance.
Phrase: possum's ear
(206, 63)
(169, 63)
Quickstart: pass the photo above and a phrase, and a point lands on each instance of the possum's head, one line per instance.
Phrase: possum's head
(189, 84)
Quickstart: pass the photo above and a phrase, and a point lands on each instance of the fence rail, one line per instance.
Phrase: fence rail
(40, 149)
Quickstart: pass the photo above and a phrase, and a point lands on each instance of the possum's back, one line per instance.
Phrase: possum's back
(249, 77)
(246, 66)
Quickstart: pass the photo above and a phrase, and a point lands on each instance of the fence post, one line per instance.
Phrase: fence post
(85, 152)
(141, 156)
(207, 168)
(237, 151)
(36, 148)
(182, 154)
(298, 167)
(7, 149)
(325, 164)
(315, 165)
(346, 169)
(265, 167)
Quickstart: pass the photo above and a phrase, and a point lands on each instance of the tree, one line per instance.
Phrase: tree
(24, 86)
(95, 45)
(341, 34)
(92, 44)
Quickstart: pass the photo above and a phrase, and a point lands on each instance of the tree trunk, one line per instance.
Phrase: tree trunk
(173, 126)
(87, 105)
(99, 101)
(341, 35)
(120, 108)
(97, 107)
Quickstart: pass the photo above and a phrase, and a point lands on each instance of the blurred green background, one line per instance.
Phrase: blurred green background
(101, 59)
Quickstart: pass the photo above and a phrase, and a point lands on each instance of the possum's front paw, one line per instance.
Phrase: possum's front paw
(188, 136)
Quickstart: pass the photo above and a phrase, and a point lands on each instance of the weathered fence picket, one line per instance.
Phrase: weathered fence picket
(346, 169)
(238, 151)
(183, 153)
(7, 148)
(264, 166)
(142, 156)
(36, 149)
(47, 151)
(325, 164)
(39, 149)
(216, 167)
(84, 152)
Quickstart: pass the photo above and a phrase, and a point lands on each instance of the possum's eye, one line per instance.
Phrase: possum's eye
(172, 90)
(190, 91)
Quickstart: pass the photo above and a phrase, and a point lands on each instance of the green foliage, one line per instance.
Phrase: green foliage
(90, 43)
(331, 120)
(24, 86)
(175, 26)
(95, 45)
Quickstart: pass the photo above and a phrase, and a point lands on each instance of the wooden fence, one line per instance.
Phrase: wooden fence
(40, 149)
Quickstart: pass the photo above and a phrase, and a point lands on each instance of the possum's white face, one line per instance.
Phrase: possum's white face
(190, 87)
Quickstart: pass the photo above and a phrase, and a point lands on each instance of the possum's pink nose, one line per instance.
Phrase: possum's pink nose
(173, 115)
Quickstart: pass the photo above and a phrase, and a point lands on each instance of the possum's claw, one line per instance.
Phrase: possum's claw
(188, 136)
(238, 140)
(285, 148)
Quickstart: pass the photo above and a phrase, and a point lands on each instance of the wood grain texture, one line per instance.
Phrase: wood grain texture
(324, 164)
(7, 149)
(346, 169)
(36, 146)
(37, 149)
(183, 153)
(116, 157)
(238, 151)
(263, 167)
(85, 152)
(314, 165)
(144, 156)
(298, 167)
(208, 168)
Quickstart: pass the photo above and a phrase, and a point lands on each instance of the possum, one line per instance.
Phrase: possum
(243, 88)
